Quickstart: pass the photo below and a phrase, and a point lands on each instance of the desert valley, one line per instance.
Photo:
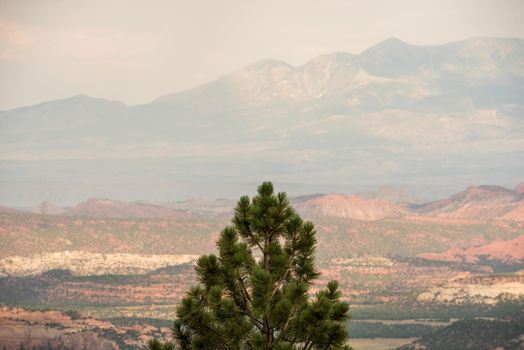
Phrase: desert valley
(407, 157)
(114, 271)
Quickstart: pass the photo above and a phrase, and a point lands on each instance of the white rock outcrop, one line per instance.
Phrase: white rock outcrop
(86, 263)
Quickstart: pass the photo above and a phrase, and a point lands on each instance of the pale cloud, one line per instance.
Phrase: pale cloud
(12, 37)
(14, 33)
(89, 43)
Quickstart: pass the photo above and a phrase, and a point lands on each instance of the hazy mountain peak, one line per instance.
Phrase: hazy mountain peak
(268, 63)
(484, 41)
(483, 192)
(339, 57)
(348, 206)
(479, 202)
(390, 44)
(76, 100)
(72, 113)
(81, 98)
(272, 81)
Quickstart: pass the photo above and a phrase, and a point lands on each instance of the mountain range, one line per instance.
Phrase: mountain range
(481, 202)
(487, 202)
(436, 118)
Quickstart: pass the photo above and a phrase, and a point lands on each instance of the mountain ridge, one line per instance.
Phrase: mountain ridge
(486, 201)
(387, 44)
(107, 208)
(473, 203)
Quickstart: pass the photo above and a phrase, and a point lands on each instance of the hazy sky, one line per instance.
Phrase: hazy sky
(135, 51)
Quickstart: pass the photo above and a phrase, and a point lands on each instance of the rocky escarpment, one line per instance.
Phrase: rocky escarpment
(478, 202)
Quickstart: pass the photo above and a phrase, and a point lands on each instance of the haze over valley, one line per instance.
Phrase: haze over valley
(428, 119)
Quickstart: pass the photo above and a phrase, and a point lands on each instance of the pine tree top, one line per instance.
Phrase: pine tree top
(254, 293)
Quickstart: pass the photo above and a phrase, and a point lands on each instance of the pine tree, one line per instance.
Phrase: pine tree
(254, 294)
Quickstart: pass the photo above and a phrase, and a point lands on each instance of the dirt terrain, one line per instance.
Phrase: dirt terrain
(114, 259)
(349, 207)
(56, 329)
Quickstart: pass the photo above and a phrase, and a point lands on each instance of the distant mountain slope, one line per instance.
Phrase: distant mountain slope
(339, 233)
(474, 203)
(477, 334)
(81, 115)
(7, 210)
(504, 251)
(478, 202)
(106, 208)
(516, 214)
(27, 234)
(349, 207)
